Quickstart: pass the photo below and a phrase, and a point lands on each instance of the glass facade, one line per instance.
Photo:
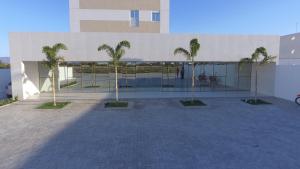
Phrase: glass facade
(149, 76)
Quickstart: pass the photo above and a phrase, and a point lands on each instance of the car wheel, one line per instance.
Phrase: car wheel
(297, 100)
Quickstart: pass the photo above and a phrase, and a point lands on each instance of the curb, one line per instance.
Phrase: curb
(6, 105)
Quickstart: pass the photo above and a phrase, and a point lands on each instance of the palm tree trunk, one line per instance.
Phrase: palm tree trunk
(117, 87)
(126, 76)
(53, 87)
(94, 69)
(193, 81)
(255, 97)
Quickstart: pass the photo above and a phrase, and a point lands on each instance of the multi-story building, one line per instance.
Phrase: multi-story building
(139, 16)
(150, 64)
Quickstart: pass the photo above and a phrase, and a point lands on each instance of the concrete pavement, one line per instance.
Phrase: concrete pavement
(154, 134)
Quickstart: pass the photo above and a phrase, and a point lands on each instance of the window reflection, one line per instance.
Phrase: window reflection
(148, 76)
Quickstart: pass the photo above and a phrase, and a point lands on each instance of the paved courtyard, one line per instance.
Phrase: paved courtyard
(154, 134)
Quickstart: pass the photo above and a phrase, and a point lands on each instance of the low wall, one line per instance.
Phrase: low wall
(287, 84)
(4, 80)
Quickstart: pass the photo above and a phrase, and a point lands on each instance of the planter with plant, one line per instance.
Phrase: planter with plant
(190, 56)
(258, 63)
(52, 62)
(116, 54)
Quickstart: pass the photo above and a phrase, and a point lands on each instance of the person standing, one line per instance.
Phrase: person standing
(182, 72)
(177, 72)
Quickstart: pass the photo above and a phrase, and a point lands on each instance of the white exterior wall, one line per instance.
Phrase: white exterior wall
(265, 79)
(74, 15)
(164, 16)
(30, 79)
(290, 50)
(287, 84)
(25, 79)
(145, 46)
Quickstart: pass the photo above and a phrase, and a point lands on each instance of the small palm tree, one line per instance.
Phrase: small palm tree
(116, 54)
(190, 56)
(255, 59)
(53, 62)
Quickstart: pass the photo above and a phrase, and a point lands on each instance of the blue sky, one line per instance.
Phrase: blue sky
(277, 17)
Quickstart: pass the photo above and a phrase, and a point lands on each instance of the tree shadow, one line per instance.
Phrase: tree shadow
(100, 138)
(141, 137)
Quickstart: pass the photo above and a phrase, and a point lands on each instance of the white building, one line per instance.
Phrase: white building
(287, 83)
(150, 64)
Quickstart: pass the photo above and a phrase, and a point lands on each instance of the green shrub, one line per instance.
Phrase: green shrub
(49, 105)
(255, 102)
(116, 104)
(7, 101)
(191, 103)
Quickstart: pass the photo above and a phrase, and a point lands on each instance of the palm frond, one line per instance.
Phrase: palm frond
(120, 53)
(46, 49)
(194, 47)
(255, 56)
(123, 44)
(183, 52)
(116, 54)
(262, 51)
(109, 50)
(51, 55)
(59, 46)
(46, 64)
(268, 59)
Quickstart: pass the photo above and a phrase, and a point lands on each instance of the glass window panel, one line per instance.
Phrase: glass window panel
(220, 69)
(218, 80)
(148, 75)
(67, 77)
(135, 18)
(201, 76)
(245, 70)
(88, 77)
(169, 75)
(156, 16)
(128, 72)
(209, 69)
(102, 76)
(232, 76)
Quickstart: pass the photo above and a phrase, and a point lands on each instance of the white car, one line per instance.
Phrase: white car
(8, 90)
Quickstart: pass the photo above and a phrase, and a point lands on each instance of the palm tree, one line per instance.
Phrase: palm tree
(53, 62)
(190, 56)
(116, 54)
(255, 59)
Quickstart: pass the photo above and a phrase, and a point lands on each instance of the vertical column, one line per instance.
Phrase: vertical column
(17, 71)
(164, 16)
(74, 15)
